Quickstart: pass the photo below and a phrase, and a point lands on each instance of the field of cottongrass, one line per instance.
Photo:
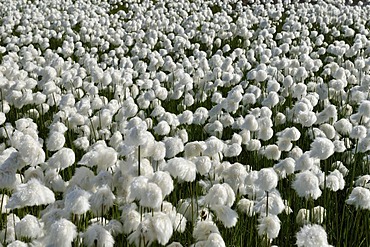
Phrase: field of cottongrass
(184, 123)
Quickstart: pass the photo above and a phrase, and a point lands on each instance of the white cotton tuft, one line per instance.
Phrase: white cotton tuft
(153, 227)
(174, 145)
(162, 128)
(77, 201)
(269, 226)
(29, 227)
(312, 236)
(271, 152)
(253, 145)
(159, 151)
(271, 202)
(200, 115)
(162, 227)
(30, 151)
(220, 194)
(193, 149)
(335, 181)
(152, 196)
(83, 178)
(61, 233)
(306, 184)
(329, 130)
(17, 243)
(97, 236)
(267, 179)
(343, 126)
(307, 118)
(232, 150)
(102, 200)
(226, 215)
(114, 227)
(99, 155)
(130, 218)
(285, 167)
(246, 206)
(62, 159)
(203, 229)
(181, 168)
(203, 164)
(213, 146)
(164, 181)
(358, 132)
(250, 123)
(55, 141)
(32, 193)
(265, 134)
(235, 175)
(304, 162)
(322, 148)
(360, 198)
(137, 134)
(2, 118)
(363, 181)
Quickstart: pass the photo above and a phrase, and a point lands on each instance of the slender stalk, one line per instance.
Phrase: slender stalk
(267, 203)
(138, 160)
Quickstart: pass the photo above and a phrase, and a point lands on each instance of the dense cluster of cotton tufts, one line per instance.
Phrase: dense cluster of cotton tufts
(214, 106)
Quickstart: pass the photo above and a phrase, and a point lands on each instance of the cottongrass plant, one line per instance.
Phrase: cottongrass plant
(187, 123)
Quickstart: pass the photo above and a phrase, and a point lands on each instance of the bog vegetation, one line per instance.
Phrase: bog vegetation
(184, 123)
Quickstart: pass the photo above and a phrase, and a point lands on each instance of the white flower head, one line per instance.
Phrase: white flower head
(271, 152)
(164, 181)
(267, 179)
(335, 181)
(30, 194)
(29, 227)
(322, 148)
(343, 126)
(174, 145)
(213, 146)
(285, 167)
(153, 227)
(77, 201)
(61, 233)
(162, 128)
(306, 184)
(130, 218)
(183, 169)
(250, 123)
(246, 206)
(312, 236)
(62, 159)
(220, 194)
(269, 226)
(102, 200)
(203, 229)
(271, 202)
(304, 162)
(226, 215)
(152, 196)
(96, 235)
(31, 151)
(55, 141)
(99, 155)
(360, 198)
